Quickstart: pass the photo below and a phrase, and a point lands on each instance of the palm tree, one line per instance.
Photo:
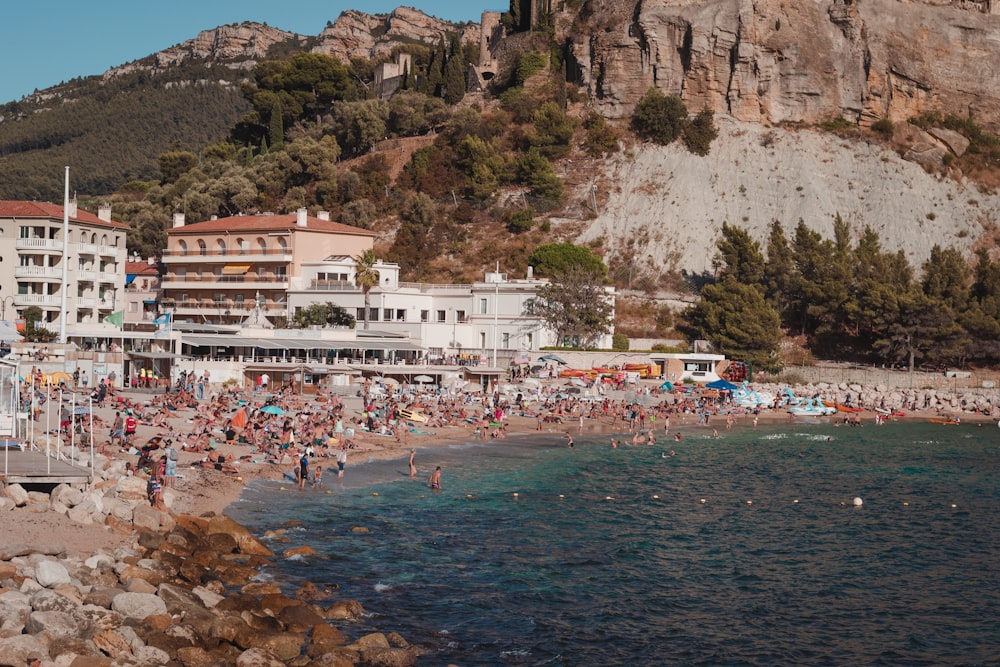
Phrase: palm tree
(366, 276)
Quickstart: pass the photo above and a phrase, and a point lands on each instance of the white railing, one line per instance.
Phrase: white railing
(107, 250)
(85, 302)
(89, 276)
(36, 300)
(108, 277)
(38, 244)
(85, 248)
(38, 272)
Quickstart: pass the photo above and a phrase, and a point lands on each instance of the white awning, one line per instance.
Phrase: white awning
(297, 343)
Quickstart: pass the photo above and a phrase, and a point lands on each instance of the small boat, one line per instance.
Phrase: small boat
(411, 416)
(847, 408)
(811, 407)
(946, 422)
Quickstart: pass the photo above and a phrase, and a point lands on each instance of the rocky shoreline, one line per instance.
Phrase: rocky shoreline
(187, 593)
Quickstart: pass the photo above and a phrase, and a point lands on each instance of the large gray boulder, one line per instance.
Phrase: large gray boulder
(50, 573)
(138, 605)
(57, 624)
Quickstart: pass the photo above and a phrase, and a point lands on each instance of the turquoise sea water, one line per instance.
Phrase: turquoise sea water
(752, 554)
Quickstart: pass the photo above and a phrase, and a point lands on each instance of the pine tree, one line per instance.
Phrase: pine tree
(276, 127)
(454, 73)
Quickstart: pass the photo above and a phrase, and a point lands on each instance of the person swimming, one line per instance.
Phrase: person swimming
(435, 480)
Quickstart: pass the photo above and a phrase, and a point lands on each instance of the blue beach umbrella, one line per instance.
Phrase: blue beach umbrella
(272, 410)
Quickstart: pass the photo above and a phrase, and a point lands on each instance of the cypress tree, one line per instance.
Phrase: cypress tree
(454, 73)
(276, 129)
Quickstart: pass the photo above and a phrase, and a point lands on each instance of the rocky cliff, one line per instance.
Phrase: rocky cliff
(238, 46)
(358, 35)
(771, 61)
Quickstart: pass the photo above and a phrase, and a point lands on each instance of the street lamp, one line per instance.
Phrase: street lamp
(3, 306)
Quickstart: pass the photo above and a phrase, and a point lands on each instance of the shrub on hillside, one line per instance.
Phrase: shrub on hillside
(700, 133)
(660, 118)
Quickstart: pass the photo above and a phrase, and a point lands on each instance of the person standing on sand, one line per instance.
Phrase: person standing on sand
(413, 467)
(435, 480)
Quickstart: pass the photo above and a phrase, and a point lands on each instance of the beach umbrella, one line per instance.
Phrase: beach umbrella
(81, 410)
(423, 378)
(272, 410)
(239, 419)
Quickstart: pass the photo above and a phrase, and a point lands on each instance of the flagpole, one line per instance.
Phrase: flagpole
(92, 436)
(65, 262)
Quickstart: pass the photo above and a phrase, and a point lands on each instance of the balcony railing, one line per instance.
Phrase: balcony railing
(235, 253)
(38, 244)
(107, 250)
(426, 287)
(245, 278)
(50, 272)
(332, 286)
(86, 302)
(86, 276)
(47, 300)
(85, 248)
(107, 277)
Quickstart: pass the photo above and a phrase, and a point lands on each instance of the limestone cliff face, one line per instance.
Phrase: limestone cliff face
(358, 35)
(236, 45)
(769, 61)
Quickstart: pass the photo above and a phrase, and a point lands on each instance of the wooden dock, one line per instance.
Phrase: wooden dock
(17, 467)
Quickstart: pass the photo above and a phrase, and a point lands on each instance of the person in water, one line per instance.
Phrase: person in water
(413, 466)
(435, 481)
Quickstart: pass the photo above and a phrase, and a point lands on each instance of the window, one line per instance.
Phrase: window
(530, 339)
(24, 233)
(425, 315)
(280, 272)
(202, 248)
(359, 314)
(441, 315)
(373, 314)
(482, 307)
(238, 299)
(81, 264)
(400, 314)
(221, 245)
(133, 307)
(387, 314)
(482, 339)
(506, 341)
(243, 245)
(460, 316)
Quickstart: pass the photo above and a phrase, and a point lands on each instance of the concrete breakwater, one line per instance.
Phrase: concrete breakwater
(187, 594)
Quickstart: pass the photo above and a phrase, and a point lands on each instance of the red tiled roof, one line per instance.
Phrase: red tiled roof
(10, 208)
(140, 268)
(268, 223)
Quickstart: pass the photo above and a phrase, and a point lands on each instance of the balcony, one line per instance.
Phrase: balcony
(245, 281)
(86, 302)
(332, 286)
(234, 255)
(38, 272)
(49, 245)
(43, 300)
(107, 250)
(86, 276)
(85, 248)
(106, 277)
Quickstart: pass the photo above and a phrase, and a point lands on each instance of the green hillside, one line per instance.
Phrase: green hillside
(112, 132)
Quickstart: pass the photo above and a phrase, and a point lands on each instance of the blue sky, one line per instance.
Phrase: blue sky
(48, 42)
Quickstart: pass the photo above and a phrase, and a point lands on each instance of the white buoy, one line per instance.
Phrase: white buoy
(858, 502)
(906, 504)
(561, 495)
(703, 501)
(515, 495)
(656, 497)
(749, 502)
(608, 498)
(796, 500)
(954, 506)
